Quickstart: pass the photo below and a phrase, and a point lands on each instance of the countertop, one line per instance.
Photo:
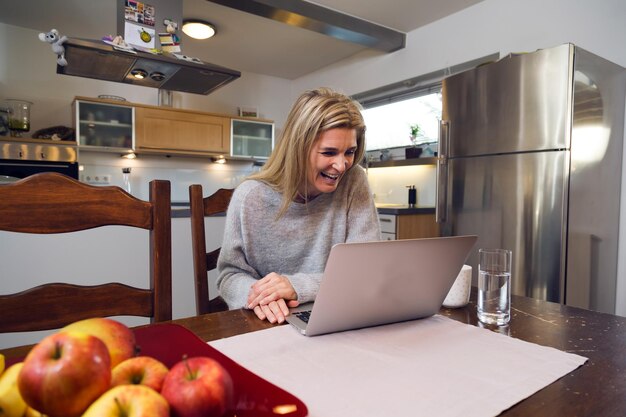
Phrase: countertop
(400, 209)
(180, 211)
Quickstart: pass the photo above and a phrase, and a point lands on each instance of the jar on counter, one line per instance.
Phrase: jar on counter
(4, 121)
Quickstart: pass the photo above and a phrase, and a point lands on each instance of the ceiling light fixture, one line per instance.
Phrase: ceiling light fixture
(198, 29)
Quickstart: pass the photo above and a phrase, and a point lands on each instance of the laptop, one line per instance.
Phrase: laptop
(372, 283)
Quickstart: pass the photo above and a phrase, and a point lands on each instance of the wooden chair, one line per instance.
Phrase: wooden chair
(204, 262)
(54, 203)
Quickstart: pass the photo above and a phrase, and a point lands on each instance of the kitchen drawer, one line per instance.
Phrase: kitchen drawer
(387, 223)
(388, 236)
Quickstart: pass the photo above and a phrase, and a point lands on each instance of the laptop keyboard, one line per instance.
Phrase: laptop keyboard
(303, 315)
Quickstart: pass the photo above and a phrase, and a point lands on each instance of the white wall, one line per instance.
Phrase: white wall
(490, 26)
(504, 26)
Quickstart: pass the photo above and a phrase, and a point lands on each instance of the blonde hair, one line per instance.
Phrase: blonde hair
(314, 112)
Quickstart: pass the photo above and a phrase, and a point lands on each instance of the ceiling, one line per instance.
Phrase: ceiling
(244, 42)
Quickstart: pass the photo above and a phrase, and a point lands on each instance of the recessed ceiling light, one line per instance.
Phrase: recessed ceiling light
(157, 76)
(139, 73)
(198, 29)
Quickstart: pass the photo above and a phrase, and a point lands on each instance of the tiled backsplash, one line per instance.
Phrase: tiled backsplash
(180, 171)
(389, 184)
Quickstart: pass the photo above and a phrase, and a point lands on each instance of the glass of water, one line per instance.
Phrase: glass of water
(494, 286)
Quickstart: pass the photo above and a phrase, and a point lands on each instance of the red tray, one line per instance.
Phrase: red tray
(254, 396)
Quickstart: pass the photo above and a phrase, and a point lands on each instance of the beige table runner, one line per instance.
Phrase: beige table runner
(430, 367)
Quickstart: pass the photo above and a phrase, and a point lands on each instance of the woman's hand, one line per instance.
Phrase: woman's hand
(275, 311)
(271, 297)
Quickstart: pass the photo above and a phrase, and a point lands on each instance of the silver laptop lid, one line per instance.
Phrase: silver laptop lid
(372, 283)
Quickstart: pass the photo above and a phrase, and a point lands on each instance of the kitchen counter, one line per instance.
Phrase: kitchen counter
(399, 209)
(393, 209)
(180, 209)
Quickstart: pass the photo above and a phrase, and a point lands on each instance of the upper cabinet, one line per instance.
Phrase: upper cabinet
(104, 126)
(119, 126)
(164, 130)
(251, 138)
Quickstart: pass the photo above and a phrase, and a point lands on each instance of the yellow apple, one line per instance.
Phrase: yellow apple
(140, 370)
(118, 338)
(64, 373)
(129, 401)
(1, 363)
(11, 402)
(31, 412)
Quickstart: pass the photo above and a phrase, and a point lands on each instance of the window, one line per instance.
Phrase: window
(388, 125)
(389, 111)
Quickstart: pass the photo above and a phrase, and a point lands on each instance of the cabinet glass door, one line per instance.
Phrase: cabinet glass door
(251, 138)
(104, 125)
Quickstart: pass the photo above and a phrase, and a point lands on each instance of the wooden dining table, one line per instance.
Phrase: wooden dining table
(597, 388)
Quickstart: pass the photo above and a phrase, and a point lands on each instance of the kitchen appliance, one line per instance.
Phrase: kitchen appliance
(95, 59)
(530, 161)
(19, 159)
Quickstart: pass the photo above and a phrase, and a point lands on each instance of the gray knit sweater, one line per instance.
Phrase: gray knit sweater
(296, 245)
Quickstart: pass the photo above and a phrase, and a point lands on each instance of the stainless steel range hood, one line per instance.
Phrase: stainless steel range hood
(95, 59)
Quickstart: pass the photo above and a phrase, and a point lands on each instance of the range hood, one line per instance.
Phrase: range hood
(96, 59)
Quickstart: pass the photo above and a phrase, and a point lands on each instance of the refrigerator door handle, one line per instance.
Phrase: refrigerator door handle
(441, 208)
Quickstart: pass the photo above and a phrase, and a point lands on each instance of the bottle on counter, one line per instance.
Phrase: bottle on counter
(126, 174)
(412, 195)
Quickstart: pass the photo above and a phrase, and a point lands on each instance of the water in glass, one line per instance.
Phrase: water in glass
(494, 297)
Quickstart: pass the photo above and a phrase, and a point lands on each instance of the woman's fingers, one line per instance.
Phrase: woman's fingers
(274, 312)
(259, 313)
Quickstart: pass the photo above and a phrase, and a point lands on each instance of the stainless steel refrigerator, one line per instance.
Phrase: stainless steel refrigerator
(531, 160)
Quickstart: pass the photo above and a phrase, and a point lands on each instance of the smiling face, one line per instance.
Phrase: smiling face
(331, 156)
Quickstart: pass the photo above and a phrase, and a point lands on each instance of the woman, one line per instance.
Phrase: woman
(310, 195)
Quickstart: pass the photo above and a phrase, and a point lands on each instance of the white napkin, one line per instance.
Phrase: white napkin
(430, 367)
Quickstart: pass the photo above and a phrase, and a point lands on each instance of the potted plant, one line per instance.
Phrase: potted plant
(413, 151)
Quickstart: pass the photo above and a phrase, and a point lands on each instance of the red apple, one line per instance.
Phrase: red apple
(129, 401)
(198, 387)
(140, 370)
(64, 373)
(120, 340)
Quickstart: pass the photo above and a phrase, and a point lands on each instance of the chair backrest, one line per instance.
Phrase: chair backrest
(48, 203)
(204, 262)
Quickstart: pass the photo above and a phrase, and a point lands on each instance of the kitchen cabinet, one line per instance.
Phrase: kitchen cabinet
(165, 130)
(251, 138)
(104, 126)
(407, 226)
(120, 126)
